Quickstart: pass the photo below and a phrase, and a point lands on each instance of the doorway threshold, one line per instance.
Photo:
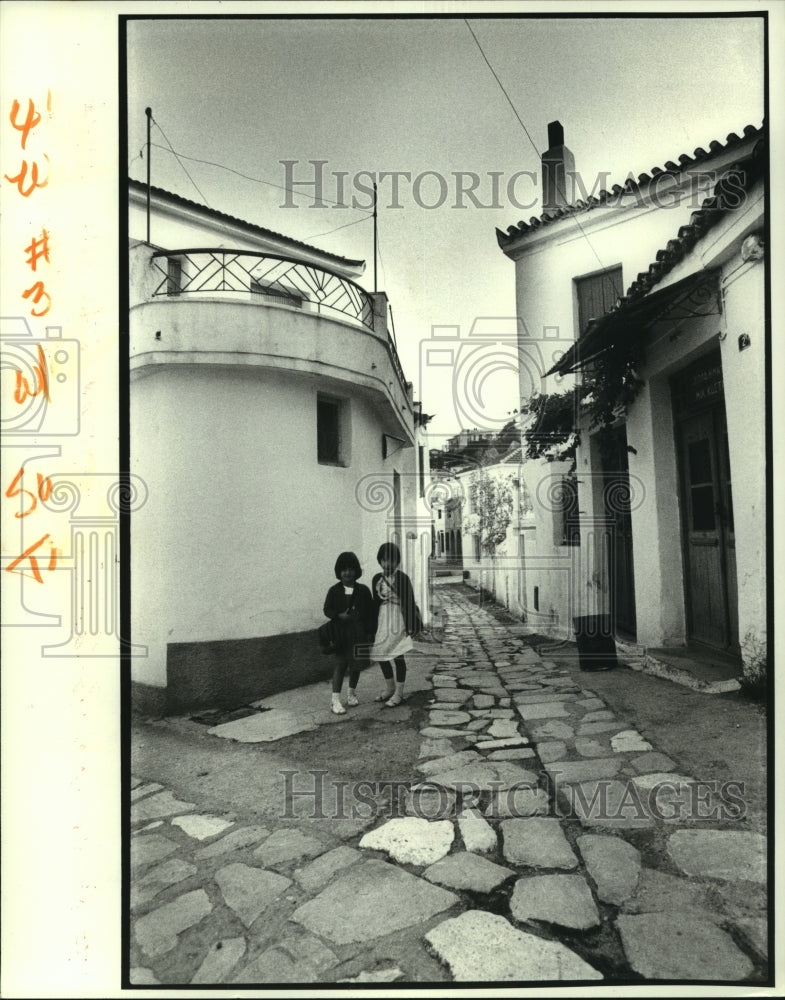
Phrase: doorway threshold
(707, 670)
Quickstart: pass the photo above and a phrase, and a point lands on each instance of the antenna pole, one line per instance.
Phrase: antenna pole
(149, 113)
(375, 238)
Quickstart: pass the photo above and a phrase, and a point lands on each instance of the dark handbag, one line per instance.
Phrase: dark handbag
(327, 634)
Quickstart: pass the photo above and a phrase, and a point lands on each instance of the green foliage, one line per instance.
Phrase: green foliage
(491, 505)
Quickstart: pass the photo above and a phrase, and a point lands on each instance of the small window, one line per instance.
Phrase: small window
(174, 275)
(567, 526)
(328, 430)
(271, 293)
(597, 295)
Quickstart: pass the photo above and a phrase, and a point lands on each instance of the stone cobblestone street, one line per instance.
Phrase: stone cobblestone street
(540, 837)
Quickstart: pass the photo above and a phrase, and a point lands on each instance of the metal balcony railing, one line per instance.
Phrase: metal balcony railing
(263, 277)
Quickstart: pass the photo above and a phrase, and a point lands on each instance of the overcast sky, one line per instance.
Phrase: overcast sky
(417, 96)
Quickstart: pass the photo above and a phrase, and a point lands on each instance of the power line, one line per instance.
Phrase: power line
(260, 180)
(330, 231)
(620, 291)
(182, 164)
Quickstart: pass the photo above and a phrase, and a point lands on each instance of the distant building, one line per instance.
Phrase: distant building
(665, 274)
(274, 427)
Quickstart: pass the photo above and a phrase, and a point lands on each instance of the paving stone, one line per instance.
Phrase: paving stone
(200, 826)
(553, 730)
(234, 841)
(483, 947)
(483, 701)
(568, 771)
(445, 718)
(140, 976)
(476, 725)
(660, 892)
(376, 976)
(371, 900)
(505, 702)
(651, 762)
(591, 728)
(287, 845)
(136, 782)
(496, 690)
(756, 931)
(552, 750)
(587, 747)
(481, 777)
(443, 680)
(513, 803)
(146, 850)
(248, 890)
(721, 854)
(315, 875)
(140, 791)
(591, 704)
(678, 945)
(500, 713)
(478, 834)
(546, 695)
(502, 744)
(565, 900)
(411, 840)
(264, 727)
(465, 870)
(448, 763)
(433, 732)
(521, 753)
(537, 842)
(602, 715)
(613, 864)
(157, 931)
(435, 748)
(151, 826)
(296, 960)
(453, 696)
(161, 804)
(630, 741)
(604, 802)
(430, 802)
(168, 873)
(219, 961)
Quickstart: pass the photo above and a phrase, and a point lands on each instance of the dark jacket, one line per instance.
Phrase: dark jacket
(405, 591)
(362, 626)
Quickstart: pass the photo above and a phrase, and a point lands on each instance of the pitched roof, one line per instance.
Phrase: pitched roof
(249, 226)
(699, 156)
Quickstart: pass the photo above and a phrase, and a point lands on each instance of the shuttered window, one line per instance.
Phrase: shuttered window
(597, 294)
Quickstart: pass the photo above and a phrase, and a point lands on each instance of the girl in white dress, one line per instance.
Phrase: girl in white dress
(398, 620)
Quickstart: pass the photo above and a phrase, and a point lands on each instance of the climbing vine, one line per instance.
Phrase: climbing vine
(491, 504)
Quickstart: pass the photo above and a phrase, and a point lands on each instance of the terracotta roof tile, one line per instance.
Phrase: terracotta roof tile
(715, 146)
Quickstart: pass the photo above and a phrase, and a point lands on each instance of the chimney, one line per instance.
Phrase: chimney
(558, 168)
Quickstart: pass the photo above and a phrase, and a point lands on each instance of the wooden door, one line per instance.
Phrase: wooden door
(708, 530)
(617, 512)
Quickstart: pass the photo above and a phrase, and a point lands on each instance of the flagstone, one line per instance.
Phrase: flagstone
(552, 750)
(147, 849)
(563, 771)
(544, 710)
(287, 845)
(448, 718)
(264, 727)
(553, 730)
(411, 840)
(591, 704)
(295, 960)
(160, 804)
(140, 791)
(448, 762)
(483, 700)
(164, 875)
(660, 892)
(435, 748)
(389, 975)
(157, 931)
(604, 802)
(613, 864)
(201, 826)
(371, 900)
(678, 945)
(248, 890)
(538, 842)
(234, 841)
(590, 728)
(647, 762)
(502, 744)
(629, 741)
(522, 753)
(452, 697)
(513, 803)
(729, 855)
(466, 870)
(317, 873)
(434, 732)
(565, 900)
(219, 961)
(484, 947)
(502, 729)
(477, 832)
(430, 802)
(591, 748)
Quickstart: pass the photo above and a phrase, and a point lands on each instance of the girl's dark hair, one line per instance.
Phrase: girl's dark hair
(348, 560)
(389, 551)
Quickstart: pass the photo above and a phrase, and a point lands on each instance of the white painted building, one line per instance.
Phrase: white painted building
(670, 539)
(274, 428)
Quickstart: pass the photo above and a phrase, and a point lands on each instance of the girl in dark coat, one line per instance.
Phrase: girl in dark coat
(398, 619)
(350, 607)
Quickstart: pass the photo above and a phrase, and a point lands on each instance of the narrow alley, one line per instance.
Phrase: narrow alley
(505, 824)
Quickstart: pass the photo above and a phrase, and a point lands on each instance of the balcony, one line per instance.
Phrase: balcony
(249, 307)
